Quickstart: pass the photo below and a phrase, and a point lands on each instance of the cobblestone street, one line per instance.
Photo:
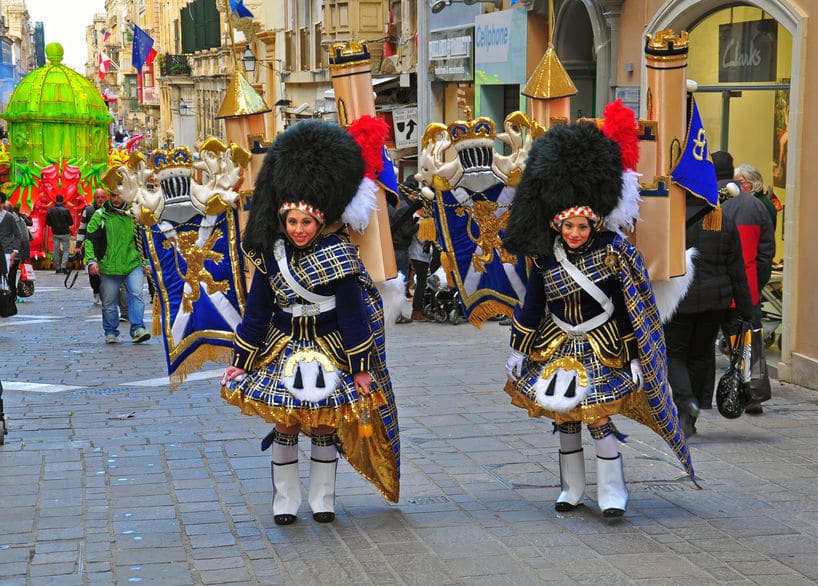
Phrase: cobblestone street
(109, 478)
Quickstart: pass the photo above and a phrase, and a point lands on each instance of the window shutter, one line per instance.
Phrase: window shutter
(212, 32)
(188, 29)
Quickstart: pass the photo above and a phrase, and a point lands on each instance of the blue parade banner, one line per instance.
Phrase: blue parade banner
(490, 280)
(198, 270)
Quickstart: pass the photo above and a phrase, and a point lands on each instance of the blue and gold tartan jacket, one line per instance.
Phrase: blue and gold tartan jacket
(614, 342)
(332, 268)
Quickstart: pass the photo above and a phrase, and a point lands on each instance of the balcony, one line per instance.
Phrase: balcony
(173, 65)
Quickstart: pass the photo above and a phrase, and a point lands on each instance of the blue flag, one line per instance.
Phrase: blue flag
(387, 178)
(143, 52)
(695, 171)
(238, 8)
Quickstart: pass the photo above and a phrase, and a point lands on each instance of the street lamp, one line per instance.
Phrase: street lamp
(248, 60)
(183, 109)
(438, 5)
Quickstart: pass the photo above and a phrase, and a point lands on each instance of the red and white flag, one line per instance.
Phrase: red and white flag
(103, 64)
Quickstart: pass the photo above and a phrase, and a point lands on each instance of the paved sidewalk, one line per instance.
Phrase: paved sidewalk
(108, 478)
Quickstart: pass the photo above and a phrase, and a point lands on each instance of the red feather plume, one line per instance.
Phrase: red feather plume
(620, 126)
(370, 133)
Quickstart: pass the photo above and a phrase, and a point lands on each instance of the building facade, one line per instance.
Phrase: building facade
(431, 59)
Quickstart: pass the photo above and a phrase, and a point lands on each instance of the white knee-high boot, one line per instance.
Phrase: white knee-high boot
(612, 494)
(286, 484)
(572, 480)
(323, 465)
(572, 467)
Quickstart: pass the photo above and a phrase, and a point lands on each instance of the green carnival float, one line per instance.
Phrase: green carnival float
(58, 143)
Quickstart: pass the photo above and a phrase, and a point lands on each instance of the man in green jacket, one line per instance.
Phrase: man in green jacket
(120, 263)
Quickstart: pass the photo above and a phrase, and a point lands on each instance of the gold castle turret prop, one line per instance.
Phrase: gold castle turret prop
(660, 232)
(243, 112)
(550, 88)
(351, 73)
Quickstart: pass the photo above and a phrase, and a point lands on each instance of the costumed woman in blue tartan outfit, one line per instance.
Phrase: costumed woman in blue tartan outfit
(587, 342)
(309, 352)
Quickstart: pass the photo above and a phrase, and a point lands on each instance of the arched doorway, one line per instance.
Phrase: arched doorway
(751, 116)
(574, 42)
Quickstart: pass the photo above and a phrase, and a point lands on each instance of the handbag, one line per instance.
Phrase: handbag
(25, 288)
(731, 396)
(8, 307)
(757, 387)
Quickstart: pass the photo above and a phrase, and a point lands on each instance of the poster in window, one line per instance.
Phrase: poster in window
(781, 135)
(748, 51)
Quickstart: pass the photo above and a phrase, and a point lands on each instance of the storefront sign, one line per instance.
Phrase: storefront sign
(450, 54)
(492, 36)
(405, 124)
(747, 51)
(500, 43)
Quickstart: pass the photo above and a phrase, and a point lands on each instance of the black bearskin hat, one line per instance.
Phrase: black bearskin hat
(315, 162)
(570, 165)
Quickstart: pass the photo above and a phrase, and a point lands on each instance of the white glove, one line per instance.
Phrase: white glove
(637, 375)
(514, 365)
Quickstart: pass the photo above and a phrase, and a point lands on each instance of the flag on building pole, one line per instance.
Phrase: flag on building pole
(238, 8)
(143, 52)
(103, 64)
(105, 35)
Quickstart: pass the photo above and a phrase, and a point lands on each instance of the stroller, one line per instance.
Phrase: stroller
(441, 302)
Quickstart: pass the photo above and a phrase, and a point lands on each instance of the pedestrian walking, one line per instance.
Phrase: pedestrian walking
(111, 251)
(755, 228)
(59, 220)
(718, 279)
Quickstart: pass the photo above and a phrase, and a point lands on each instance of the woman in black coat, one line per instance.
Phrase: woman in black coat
(719, 278)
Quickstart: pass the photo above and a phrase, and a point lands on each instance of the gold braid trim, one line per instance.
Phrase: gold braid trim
(328, 416)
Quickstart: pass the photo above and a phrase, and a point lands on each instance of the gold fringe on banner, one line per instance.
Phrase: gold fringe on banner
(426, 230)
(488, 309)
(197, 358)
(712, 221)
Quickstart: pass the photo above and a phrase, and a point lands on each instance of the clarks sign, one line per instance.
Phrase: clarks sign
(747, 51)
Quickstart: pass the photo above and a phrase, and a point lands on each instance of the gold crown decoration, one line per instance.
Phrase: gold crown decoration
(462, 131)
(665, 43)
(164, 160)
(348, 52)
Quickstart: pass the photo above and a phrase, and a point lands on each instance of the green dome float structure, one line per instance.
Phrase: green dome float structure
(55, 113)
(58, 144)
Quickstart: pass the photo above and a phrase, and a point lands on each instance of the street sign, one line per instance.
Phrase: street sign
(405, 122)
